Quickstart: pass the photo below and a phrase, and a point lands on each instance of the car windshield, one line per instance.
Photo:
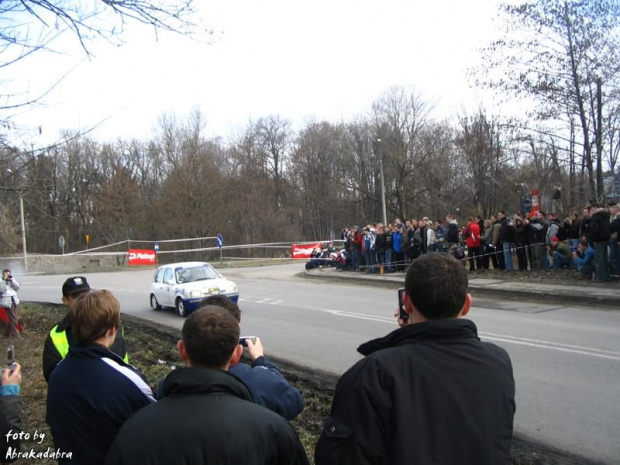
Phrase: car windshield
(195, 273)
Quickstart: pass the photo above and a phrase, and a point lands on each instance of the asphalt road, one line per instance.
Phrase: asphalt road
(566, 359)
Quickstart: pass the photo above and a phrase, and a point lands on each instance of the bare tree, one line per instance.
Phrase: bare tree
(479, 140)
(30, 27)
(315, 164)
(273, 137)
(400, 117)
(558, 51)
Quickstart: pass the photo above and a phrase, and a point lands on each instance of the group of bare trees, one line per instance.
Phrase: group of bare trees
(271, 183)
(561, 57)
(274, 182)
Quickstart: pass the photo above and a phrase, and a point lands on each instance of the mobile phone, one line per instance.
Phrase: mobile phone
(243, 340)
(401, 308)
(10, 354)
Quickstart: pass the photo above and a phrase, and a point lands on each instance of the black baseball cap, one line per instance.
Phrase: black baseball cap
(75, 285)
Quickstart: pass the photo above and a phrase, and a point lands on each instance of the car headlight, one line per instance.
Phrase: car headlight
(229, 288)
(195, 293)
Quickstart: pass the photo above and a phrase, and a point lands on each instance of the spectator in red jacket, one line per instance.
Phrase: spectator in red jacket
(472, 240)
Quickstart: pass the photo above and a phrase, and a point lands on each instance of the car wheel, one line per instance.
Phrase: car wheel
(154, 304)
(180, 306)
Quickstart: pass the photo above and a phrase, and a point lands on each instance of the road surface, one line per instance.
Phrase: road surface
(566, 359)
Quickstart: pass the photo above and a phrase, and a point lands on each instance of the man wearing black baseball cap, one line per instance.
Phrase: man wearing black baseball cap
(60, 338)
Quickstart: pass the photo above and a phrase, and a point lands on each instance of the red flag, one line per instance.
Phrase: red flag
(4, 316)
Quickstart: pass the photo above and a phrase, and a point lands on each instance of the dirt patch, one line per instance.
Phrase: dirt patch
(152, 349)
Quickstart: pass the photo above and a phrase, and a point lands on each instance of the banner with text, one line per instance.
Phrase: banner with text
(304, 250)
(142, 257)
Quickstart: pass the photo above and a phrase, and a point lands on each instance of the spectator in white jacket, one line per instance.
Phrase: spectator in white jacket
(9, 299)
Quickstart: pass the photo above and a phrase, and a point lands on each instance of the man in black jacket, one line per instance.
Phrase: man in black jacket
(599, 235)
(428, 393)
(207, 415)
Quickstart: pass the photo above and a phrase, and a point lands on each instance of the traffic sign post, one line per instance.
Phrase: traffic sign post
(219, 241)
(61, 243)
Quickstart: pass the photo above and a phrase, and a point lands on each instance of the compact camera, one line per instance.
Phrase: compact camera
(243, 340)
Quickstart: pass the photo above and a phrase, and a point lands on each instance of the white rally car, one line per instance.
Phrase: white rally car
(184, 285)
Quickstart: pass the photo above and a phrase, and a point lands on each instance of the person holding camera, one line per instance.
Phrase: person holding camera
(8, 292)
(266, 383)
(10, 410)
(430, 391)
(207, 414)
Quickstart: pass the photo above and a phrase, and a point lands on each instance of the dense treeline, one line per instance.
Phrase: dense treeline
(272, 183)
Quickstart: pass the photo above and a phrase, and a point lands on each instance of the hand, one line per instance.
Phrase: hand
(402, 323)
(12, 375)
(255, 349)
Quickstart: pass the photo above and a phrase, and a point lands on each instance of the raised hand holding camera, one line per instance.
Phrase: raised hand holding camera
(255, 347)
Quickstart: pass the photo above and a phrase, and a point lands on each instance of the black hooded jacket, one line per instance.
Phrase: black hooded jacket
(599, 226)
(428, 393)
(206, 416)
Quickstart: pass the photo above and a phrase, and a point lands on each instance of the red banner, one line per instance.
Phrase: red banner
(141, 257)
(304, 250)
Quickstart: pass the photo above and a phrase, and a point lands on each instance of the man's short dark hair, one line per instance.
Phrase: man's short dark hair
(210, 335)
(437, 285)
(224, 302)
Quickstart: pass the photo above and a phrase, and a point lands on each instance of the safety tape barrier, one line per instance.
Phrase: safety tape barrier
(91, 252)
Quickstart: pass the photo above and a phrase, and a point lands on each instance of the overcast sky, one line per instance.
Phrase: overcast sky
(326, 60)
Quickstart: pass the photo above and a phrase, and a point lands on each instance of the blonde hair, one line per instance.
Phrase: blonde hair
(93, 314)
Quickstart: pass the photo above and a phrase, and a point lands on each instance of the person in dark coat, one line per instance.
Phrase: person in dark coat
(92, 392)
(207, 415)
(506, 239)
(430, 392)
(599, 235)
(520, 234)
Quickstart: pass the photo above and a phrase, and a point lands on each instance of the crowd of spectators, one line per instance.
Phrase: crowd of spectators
(539, 241)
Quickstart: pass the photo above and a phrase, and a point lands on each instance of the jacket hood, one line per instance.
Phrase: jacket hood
(603, 212)
(451, 328)
(193, 380)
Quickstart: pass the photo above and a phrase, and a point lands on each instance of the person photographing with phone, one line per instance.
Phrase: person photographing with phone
(430, 392)
(10, 405)
(9, 299)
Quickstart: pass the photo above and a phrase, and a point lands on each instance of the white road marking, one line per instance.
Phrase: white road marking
(549, 345)
(542, 344)
(590, 351)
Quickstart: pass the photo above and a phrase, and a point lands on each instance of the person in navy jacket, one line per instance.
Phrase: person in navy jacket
(266, 383)
(92, 391)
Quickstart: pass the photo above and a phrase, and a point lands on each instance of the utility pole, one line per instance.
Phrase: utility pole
(23, 228)
(382, 182)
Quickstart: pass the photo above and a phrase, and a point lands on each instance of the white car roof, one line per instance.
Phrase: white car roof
(184, 264)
